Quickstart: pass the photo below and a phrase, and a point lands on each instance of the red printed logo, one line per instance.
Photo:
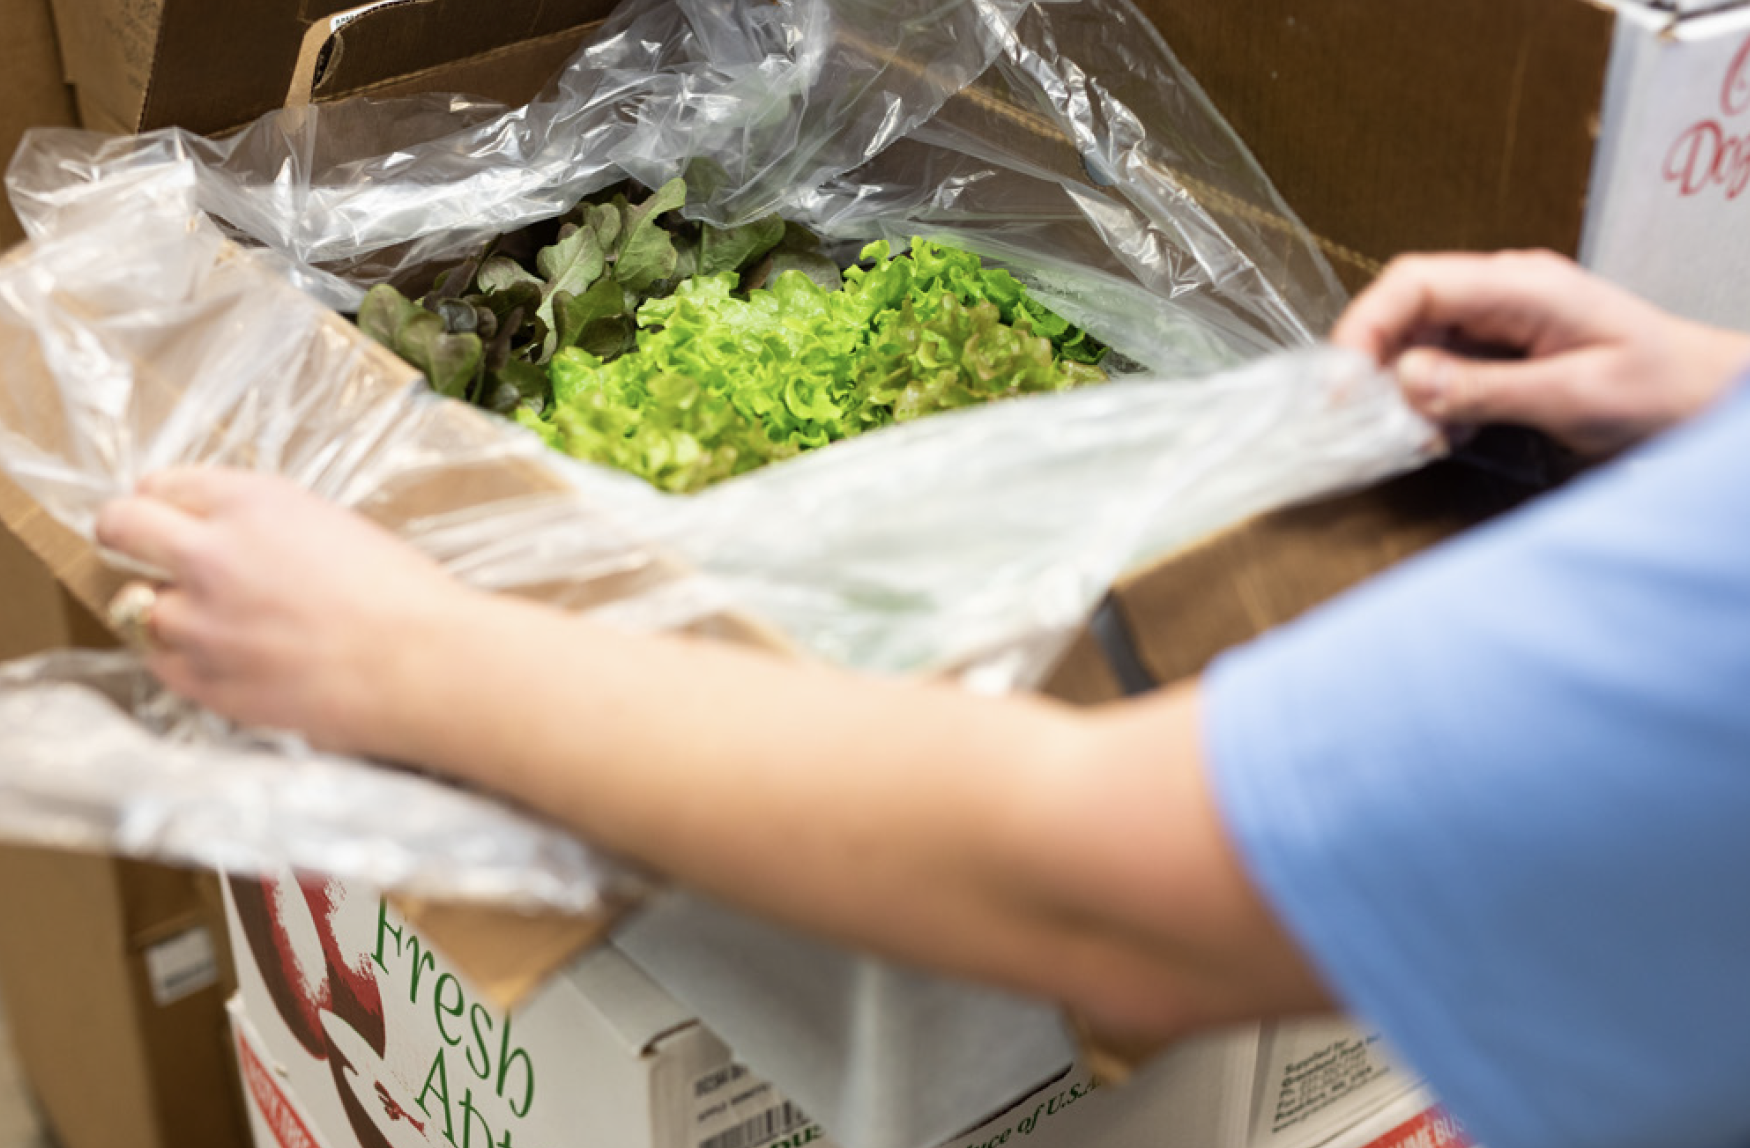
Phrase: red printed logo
(1710, 154)
(289, 1130)
(1735, 96)
(1433, 1129)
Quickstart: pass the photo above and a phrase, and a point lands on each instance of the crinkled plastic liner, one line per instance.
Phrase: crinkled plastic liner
(1060, 139)
(861, 118)
(81, 725)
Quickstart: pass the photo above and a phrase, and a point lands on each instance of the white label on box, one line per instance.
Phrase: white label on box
(1321, 1078)
(1317, 1077)
(732, 1108)
(182, 966)
(353, 15)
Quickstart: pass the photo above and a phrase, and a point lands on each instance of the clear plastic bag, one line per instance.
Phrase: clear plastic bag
(1062, 140)
(83, 726)
(1063, 135)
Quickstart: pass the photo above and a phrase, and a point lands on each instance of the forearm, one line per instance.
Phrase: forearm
(1072, 855)
(1062, 853)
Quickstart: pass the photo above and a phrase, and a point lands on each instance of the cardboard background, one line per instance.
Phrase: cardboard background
(32, 91)
(1392, 126)
(111, 1068)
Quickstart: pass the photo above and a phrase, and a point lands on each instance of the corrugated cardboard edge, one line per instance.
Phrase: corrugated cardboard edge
(512, 75)
(108, 49)
(322, 44)
(506, 954)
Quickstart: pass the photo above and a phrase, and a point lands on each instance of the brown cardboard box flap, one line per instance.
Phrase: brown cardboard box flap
(1248, 579)
(383, 43)
(211, 65)
(512, 75)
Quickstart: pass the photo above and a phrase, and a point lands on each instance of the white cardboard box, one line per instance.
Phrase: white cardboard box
(351, 1033)
(1669, 209)
(383, 1045)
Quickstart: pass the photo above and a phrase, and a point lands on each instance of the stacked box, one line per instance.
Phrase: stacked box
(351, 1031)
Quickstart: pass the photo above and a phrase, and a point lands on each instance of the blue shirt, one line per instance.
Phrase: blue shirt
(1501, 797)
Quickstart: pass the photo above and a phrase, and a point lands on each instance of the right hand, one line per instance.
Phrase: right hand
(1599, 369)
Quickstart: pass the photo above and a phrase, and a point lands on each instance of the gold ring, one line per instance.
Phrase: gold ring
(130, 615)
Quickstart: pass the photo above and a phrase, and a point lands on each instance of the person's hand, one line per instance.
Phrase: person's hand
(280, 610)
(1569, 354)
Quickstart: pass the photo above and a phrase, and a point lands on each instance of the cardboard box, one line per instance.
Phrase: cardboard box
(115, 977)
(210, 65)
(1332, 546)
(410, 1053)
(379, 1037)
(487, 953)
(1617, 132)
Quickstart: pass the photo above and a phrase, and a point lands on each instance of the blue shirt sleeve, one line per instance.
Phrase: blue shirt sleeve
(1501, 797)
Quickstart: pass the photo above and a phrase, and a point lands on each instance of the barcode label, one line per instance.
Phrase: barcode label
(768, 1125)
(712, 1081)
(353, 15)
(182, 966)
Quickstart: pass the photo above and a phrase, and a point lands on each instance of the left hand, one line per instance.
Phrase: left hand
(280, 610)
